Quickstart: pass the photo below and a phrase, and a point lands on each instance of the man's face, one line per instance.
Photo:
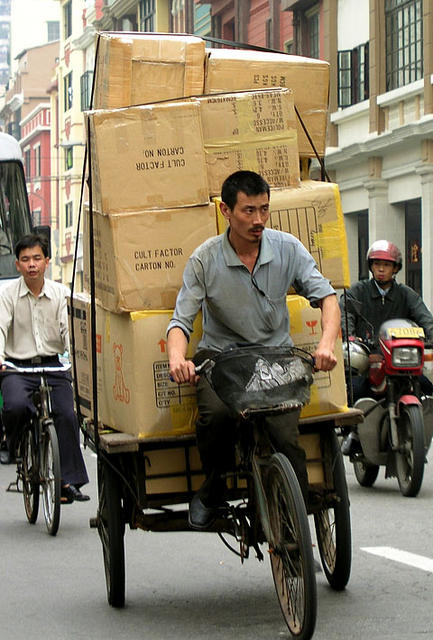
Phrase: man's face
(32, 264)
(383, 271)
(248, 217)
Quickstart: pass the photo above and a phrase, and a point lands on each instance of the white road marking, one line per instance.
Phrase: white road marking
(405, 557)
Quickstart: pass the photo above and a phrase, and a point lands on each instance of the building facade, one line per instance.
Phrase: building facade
(380, 139)
(36, 145)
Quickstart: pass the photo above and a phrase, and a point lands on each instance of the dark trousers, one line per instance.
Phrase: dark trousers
(18, 407)
(216, 436)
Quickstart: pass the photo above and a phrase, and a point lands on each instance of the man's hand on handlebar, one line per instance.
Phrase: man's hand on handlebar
(324, 359)
(182, 371)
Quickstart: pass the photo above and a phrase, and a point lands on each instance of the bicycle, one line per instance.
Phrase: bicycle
(255, 382)
(37, 453)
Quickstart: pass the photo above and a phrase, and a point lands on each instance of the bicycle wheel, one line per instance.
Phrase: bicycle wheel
(50, 477)
(333, 530)
(111, 528)
(290, 548)
(411, 456)
(29, 474)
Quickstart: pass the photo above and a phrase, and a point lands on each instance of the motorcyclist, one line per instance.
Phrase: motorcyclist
(381, 298)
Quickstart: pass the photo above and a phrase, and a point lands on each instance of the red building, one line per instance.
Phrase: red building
(35, 143)
(263, 23)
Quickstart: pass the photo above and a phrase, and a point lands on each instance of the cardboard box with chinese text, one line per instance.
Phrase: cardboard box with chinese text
(240, 70)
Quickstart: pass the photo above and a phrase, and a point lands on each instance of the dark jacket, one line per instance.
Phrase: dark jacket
(400, 302)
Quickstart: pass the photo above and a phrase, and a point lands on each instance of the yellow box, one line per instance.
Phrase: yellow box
(328, 391)
(311, 212)
(310, 442)
(140, 257)
(141, 68)
(237, 70)
(250, 130)
(148, 157)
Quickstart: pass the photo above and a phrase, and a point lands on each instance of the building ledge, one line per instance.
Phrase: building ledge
(86, 39)
(348, 113)
(402, 93)
(382, 143)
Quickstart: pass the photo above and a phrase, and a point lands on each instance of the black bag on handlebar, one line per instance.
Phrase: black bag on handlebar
(252, 379)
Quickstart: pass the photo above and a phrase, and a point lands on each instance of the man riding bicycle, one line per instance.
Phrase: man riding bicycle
(33, 331)
(239, 280)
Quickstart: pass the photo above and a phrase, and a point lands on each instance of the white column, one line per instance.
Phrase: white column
(385, 222)
(425, 171)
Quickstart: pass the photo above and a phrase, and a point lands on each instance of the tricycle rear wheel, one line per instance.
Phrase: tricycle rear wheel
(111, 528)
(332, 524)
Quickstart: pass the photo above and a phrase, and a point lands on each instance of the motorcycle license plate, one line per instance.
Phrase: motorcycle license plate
(407, 332)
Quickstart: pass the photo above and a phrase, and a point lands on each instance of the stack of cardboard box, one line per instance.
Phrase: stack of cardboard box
(170, 122)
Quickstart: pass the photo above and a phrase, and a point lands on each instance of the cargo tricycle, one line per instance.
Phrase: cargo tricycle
(147, 483)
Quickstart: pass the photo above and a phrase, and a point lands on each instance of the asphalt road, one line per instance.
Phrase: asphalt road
(189, 586)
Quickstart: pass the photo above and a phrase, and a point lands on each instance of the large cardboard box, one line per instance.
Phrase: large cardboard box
(140, 257)
(135, 393)
(328, 391)
(235, 70)
(140, 68)
(138, 396)
(148, 157)
(312, 212)
(253, 130)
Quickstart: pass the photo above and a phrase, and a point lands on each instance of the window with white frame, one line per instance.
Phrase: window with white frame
(68, 214)
(37, 150)
(69, 158)
(67, 19)
(67, 89)
(353, 75)
(404, 42)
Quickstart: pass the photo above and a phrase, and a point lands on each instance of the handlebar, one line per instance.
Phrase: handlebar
(13, 367)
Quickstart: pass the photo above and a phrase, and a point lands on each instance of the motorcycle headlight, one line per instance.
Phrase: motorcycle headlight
(406, 357)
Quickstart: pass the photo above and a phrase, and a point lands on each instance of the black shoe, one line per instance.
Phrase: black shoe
(351, 445)
(73, 494)
(199, 516)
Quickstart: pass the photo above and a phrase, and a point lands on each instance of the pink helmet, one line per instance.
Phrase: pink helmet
(384, 250)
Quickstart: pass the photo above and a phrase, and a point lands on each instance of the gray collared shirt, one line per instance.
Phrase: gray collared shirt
(240, 307)
(33, 326)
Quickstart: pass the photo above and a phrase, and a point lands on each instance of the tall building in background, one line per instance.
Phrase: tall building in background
(5, 24)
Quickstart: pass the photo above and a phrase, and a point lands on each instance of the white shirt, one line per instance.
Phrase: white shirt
(33, 326)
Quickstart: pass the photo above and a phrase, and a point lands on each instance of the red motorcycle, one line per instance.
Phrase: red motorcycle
(398, 425)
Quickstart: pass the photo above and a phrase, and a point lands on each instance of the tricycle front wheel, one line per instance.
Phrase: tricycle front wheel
(111, 528)
(290, 548)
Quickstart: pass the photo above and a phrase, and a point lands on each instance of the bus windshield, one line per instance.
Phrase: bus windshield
(14, 214)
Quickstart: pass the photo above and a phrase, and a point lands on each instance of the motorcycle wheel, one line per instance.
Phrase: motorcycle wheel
(410, 458)
(365, 473)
